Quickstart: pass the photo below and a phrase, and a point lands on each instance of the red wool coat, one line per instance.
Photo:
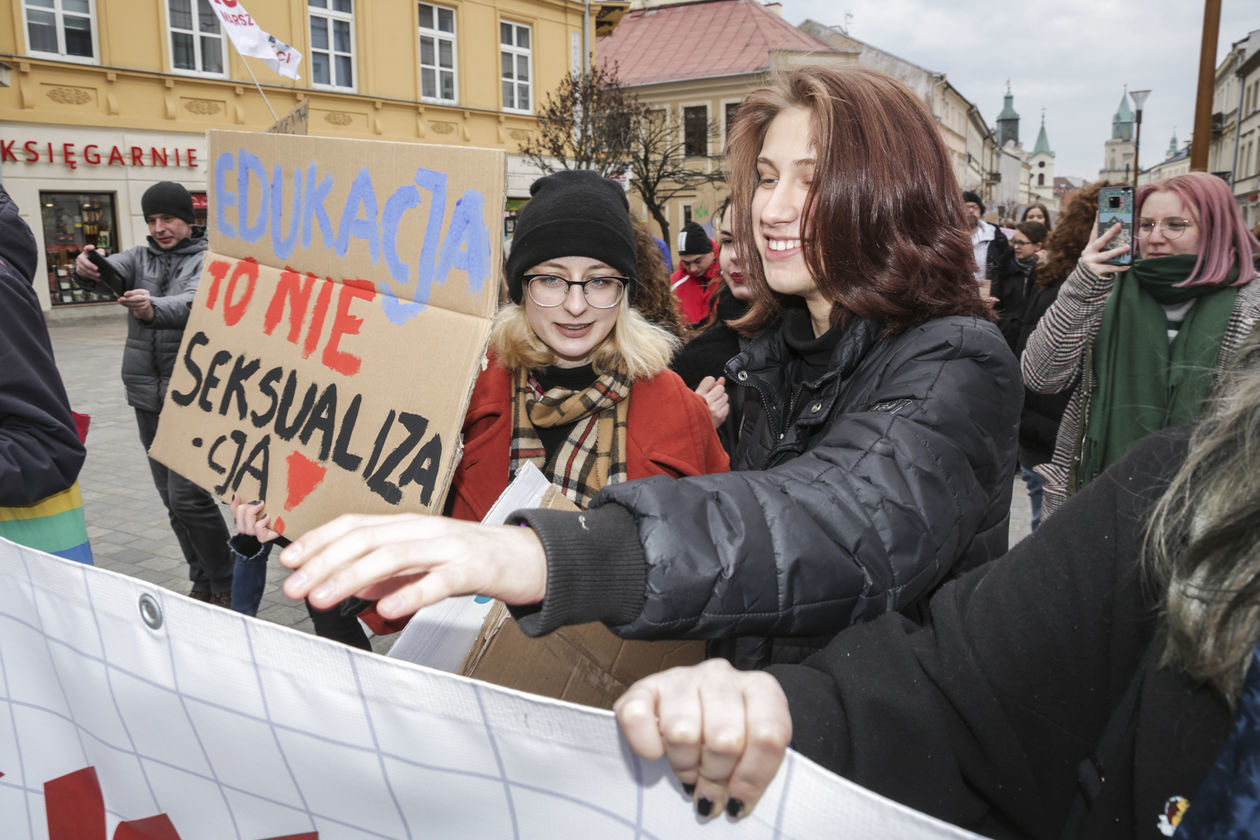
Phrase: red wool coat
(669, 432)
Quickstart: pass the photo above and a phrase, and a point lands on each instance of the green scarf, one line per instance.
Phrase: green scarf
(1144, 383)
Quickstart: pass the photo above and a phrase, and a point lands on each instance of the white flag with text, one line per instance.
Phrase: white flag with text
(252, 41)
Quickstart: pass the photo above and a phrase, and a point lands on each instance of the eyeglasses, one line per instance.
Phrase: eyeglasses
(1172, 227)
(1020, 242)
(549, 290)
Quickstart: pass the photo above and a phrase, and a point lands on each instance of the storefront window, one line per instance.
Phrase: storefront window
(72, 220)
(201, 208)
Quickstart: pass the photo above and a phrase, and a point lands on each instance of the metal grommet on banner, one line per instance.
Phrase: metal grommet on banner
(150, 611)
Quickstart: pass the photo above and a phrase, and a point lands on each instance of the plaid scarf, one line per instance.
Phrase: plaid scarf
(594, 454)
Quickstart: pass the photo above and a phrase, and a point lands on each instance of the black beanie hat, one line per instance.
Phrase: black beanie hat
(693, 240)
(574, 213)
(972, 198)
(170, 198)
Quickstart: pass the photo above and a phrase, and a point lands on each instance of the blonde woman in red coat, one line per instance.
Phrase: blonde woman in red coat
(576, 381)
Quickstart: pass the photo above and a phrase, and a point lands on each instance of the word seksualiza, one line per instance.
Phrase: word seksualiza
(464, 246)
(225, 381)
(308, 312)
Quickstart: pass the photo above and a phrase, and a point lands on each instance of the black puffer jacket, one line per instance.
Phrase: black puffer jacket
(895, 475)
(171, 278)
(40, 451)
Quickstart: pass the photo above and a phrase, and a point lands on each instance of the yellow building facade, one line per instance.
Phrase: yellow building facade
(99, 100)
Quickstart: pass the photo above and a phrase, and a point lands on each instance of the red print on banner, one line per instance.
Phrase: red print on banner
(76, 811)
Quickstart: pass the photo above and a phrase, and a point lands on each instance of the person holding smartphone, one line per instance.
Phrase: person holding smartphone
(1142, 344)
(156, 283)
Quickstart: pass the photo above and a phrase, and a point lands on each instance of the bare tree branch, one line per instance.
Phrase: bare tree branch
(585, 123)
(660, 169)
(591, 122)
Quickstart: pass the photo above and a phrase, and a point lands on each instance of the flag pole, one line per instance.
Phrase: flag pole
(266, 101)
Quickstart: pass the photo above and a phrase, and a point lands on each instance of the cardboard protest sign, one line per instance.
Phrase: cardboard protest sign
(586, 663)
(343, 312)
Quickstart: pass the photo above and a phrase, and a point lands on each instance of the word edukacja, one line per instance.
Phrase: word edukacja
(260, 202)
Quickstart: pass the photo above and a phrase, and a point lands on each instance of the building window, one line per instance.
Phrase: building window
(732, 108)
(1041, 179)
(196, 40)
(696, 130)
(60, 27)
(332, 43)
(72, 220)
(437, 53)
(514, 53)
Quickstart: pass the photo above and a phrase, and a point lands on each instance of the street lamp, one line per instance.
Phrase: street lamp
(1138, 97)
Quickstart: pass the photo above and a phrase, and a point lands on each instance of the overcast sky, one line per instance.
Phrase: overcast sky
(1071, 57)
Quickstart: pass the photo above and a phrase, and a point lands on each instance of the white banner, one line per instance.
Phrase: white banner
(250, 40)
(129, 711)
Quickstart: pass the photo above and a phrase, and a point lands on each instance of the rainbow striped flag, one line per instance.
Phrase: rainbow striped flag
(54, 524)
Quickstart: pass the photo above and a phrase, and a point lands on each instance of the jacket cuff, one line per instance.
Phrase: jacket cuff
(596, 569)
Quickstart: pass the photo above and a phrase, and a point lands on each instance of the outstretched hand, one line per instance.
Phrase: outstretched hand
(724, 731)
(408, 561)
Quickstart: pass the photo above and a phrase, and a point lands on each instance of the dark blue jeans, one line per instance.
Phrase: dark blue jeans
(1034, 483)
(250, 576)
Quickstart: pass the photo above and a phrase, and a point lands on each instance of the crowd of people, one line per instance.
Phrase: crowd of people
(800, 447)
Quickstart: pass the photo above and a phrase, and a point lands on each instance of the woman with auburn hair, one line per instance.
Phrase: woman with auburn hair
(1079, 687)
(1140, 346)
(702, 360)
(1039, 418)
(879, 430)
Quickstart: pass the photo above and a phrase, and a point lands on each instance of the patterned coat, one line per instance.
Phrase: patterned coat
(1059, 357)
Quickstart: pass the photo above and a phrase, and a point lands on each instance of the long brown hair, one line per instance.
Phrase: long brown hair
(1072, 232)
(883, 234)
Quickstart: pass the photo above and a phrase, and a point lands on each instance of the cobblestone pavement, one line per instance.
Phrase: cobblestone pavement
(126, 522)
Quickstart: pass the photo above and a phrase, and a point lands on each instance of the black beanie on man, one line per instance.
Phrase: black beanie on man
(168, 198)
(693, 240)
(574, 213)
(972, 198)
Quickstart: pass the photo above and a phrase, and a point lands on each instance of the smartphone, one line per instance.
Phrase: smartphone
(1115, 204)
(109, 275)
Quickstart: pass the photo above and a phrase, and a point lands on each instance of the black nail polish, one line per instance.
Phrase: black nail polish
(734, 807)
(704, 806)
(689, 788)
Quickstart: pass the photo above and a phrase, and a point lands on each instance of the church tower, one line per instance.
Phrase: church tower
(1118, 152)
(1041, 164)
(1008, 120)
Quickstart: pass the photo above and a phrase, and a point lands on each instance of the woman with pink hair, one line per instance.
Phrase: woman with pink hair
(1142, 345)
